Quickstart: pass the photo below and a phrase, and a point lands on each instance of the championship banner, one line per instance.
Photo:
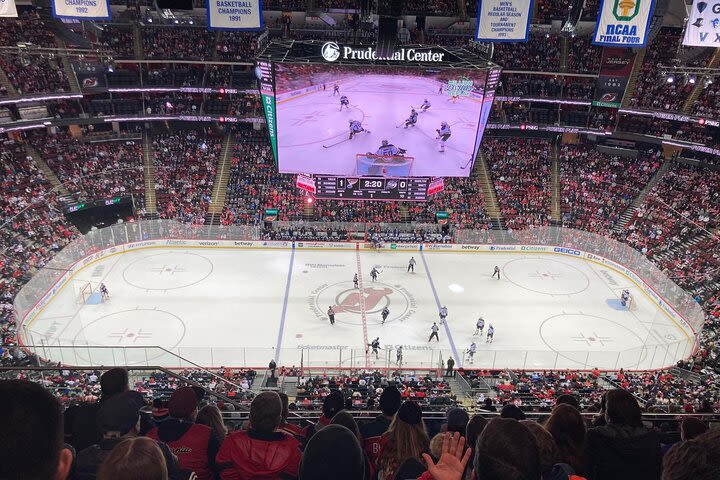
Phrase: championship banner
(82, 9)
(234, 15)
(703, 27)
(7, 8)
(503, 20)
(615, 69)
(623, 23)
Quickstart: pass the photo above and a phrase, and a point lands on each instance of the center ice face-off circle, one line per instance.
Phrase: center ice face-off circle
(345, 300)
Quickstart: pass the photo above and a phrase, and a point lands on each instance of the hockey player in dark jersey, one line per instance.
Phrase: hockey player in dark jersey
(425, 106)
(344, 102)
(336, 89)
(412, 119)
(375, 345)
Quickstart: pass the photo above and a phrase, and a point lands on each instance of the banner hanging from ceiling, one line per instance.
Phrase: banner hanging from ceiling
(234, 15)
(623, 23)
(8, 9)
(81, 9)
(703, 27)
(503, 20)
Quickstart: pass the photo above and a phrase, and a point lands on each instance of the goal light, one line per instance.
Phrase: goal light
(309, 200)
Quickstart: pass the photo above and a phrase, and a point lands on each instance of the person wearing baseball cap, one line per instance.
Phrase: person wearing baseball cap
(117, 419)
(194, 444)
(372, 432)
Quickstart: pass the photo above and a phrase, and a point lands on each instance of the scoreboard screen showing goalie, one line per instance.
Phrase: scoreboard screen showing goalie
(380, 120)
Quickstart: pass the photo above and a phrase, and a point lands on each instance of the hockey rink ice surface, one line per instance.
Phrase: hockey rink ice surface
(251, 305)
(306, 123)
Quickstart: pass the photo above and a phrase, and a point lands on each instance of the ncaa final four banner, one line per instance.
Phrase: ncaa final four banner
(623, 23)
(703, 27)
(82, 9)
(7, 8)
(503, 20)
(234, 15)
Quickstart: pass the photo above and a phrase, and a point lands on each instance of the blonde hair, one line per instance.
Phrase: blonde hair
(210, 415)
(139, 458)
(404, 441)
(436, 445)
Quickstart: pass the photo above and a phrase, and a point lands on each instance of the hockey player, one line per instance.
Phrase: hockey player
(411, 265)
(344, 102)
(336, 89)
(471, 351)
(385, 313)
(490, 334)
(412, 119)
(496, 271)
(104, 292)
(356, 127)
(624, 297)
(375, 345)
(374, 274)
(434, 333)
(443, 314)
(479, 326)
(399, 356)
(331, 315)
(388, 149)
(425, 105)
(443, 134)
(356, 281)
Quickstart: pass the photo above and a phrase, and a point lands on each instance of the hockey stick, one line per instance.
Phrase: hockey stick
(336, 143)
(466, 165)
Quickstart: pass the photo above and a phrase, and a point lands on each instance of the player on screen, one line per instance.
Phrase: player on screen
(443, 134)
(344, 102)
(412, 119)
(356, 127)
(479, 326)
(425, 106)
(388, 149)
(104, 292)
(336, 89)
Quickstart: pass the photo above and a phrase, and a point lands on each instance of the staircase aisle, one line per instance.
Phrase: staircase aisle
(630, 88)
(700, 84)
(630, 210)
(222, 177)
(67, 67)
(5, 82)
(482, 173)
(149, 174)
(65, 195)
(555, 184)
(137, 41)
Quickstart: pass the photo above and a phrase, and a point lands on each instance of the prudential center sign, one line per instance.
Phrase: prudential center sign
(332, 52)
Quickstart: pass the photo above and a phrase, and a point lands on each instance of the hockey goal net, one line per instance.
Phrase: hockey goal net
(383, 165)
(83, 290)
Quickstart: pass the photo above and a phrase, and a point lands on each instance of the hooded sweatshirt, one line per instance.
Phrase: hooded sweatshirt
(622, 451)
(259, 456)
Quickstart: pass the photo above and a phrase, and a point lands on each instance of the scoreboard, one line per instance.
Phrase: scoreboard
(414, 189)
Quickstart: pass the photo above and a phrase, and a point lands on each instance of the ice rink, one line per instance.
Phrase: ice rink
(238, 307)
(309, 121)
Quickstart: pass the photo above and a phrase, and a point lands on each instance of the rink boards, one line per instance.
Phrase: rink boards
(530, 267)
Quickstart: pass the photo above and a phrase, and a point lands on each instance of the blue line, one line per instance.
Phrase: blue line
(437, 301)
(285, 303)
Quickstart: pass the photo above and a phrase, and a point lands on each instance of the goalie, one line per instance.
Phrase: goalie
(387, 149)
(625, 298)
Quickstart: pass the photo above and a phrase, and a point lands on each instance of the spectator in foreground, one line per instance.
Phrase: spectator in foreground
(261, 451)
(507, 449)
(457, 419)
(31, 436)
(332, 404)
(210, 416)
(138, 458)
(623, 448)
(289, 428)
(567, 427)
(696, 459)
(372, 432)
(195, 445)
(691, 428)
(333, 453)
(406, 438)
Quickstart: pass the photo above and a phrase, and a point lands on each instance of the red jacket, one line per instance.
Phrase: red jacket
(191, 445)
(257, 456)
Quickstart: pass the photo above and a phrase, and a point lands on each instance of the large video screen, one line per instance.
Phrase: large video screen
(318, 106)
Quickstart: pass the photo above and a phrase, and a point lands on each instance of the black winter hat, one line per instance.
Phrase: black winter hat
(410, 412)
(332, 404)
(390, 400)
(333, 453)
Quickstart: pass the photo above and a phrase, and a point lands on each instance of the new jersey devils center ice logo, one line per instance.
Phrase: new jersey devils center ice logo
(330, 51)
(351, 302)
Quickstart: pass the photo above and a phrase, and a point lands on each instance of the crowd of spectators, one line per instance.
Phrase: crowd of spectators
(541, 53)
(119, 40)
(521, 176)
(34, 74)
(522, 85)
(236, 46)
(185, 165)
(708, 103)
(182, 43)
(583, 56)
(597, 188)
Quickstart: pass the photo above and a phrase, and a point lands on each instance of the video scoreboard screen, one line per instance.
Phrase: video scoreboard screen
(371, 188)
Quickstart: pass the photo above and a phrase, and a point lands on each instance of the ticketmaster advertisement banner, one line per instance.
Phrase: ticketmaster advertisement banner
(83, 9)
(703, 27)
(234, 15)
(623, 23)
(8, 9)
(503, 20)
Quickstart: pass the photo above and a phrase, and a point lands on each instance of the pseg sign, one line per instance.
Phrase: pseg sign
(332, 52)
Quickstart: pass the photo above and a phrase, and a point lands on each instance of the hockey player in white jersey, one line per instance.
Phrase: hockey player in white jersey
(344, 102)
(443, 134)
(412, 119)
(490, 334)
(471, 351)
(355, 128)
(425, 106)
(388, 149)
(443, 314)
(479, 326)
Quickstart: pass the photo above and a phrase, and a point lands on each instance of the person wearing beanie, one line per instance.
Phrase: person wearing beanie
(512, 411)
(406, 438)
(261, 451)
(333, 453)
(457, 419)
(372, 432)
(332, 404)
(118, 420)
(194, 444)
